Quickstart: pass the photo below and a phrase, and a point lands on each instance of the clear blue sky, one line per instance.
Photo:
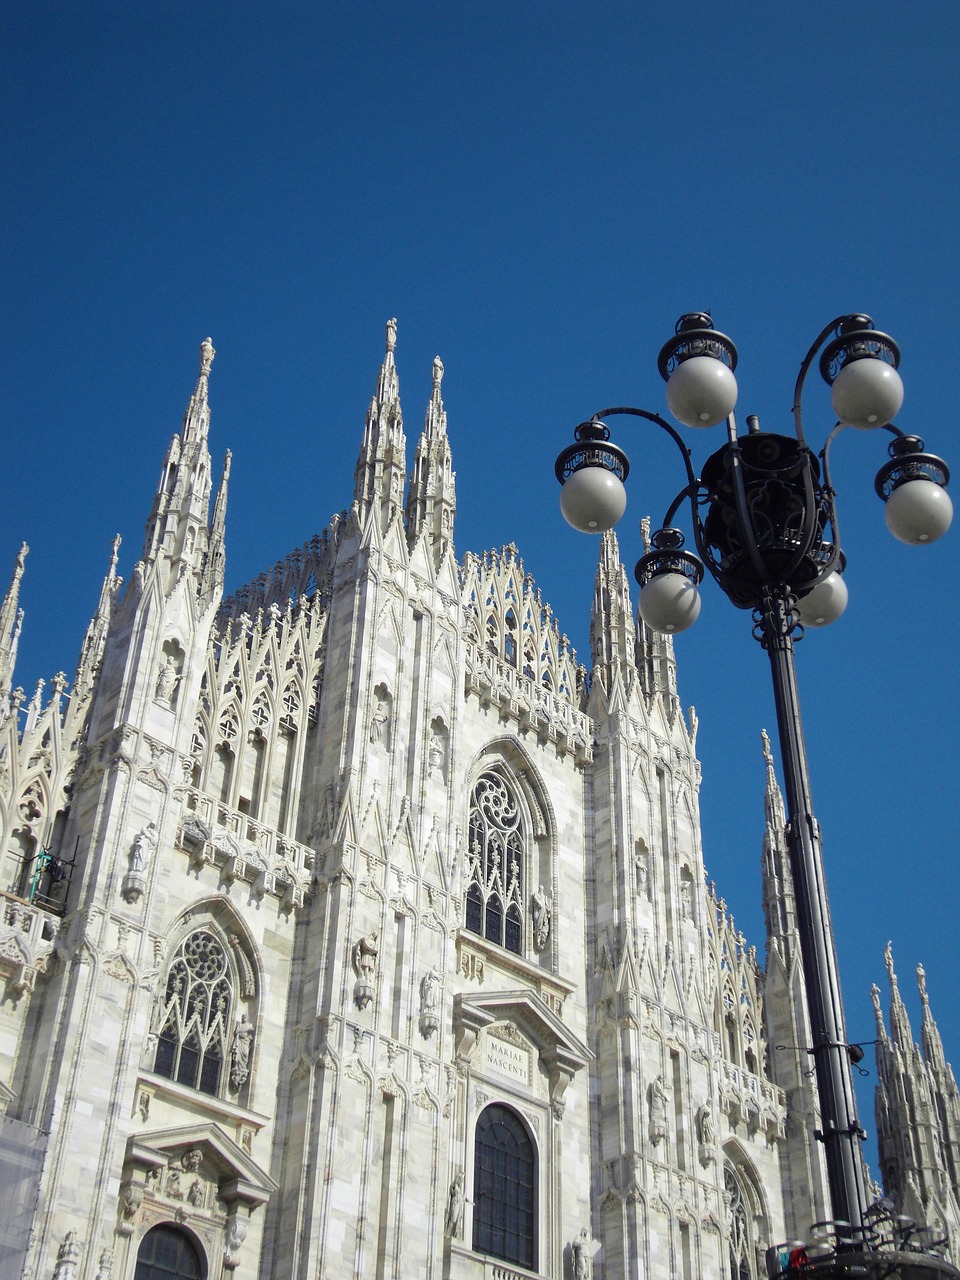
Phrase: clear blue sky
(536, 191)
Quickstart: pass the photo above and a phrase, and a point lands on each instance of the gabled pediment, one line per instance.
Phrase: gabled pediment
(561, 1053)
(238, 1175)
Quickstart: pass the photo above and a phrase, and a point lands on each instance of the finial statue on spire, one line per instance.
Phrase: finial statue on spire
(888, 961)
(437, 372)
(391, 334)
(645, 532)
(767, 753)
(922, 984)
(207, 353)
(19, 565)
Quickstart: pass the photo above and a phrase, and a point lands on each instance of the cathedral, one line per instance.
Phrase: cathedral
(350, 927)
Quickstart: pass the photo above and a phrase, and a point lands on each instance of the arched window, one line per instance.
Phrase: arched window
(196, 1014)
(167, 1253)
(743, 1243)
(505, 1188)
(496, 853)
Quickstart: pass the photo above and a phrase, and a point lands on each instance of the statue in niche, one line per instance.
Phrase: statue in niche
(430, 987)
(658, 1111)
(541, 913)
(167, 680)
(240, 1051)
(706, 1133)
(453, 1226)
(436, 753)
(365, 955)
(379, 721)
(640, 864)
(580, 1253)
(686, 897)
(143, 846)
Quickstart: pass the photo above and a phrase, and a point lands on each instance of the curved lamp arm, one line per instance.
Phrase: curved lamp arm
(804, 369)
(628, 411)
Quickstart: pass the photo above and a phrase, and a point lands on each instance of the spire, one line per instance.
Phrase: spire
(177, 531)
(216, 552)
(196, 420)
(613, 638)
(11, 620)
(656, 660)
(899, 1021)
(779, 902)
(930, 1033)
(381, 465)
(91, 652)
(432, 500)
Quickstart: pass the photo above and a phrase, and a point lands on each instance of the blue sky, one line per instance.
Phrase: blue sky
(536, 192)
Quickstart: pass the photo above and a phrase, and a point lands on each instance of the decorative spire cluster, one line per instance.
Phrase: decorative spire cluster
(917, 1110)
(11, 622)
(431, 500)
(178, 537)
(381, 465)
(613, 636)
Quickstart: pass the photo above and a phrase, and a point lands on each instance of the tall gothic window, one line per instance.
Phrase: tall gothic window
(505, 1189)
(496, 851)
(166, 1253)
(195, 1018)
(742, 1250)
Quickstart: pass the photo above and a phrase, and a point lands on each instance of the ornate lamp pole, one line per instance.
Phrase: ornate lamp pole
(765, 526)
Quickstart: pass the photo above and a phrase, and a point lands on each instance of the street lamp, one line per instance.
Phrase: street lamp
(764, 523)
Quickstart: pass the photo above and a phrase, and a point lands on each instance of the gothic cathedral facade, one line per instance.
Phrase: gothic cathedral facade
(351, 928)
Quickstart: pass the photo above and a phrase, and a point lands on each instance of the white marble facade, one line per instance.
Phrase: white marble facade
(311, 891)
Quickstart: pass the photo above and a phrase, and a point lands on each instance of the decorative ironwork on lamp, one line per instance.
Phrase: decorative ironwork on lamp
(764, 522)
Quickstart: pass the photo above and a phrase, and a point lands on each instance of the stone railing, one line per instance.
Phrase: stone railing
(746, 1096)
(213, 832)
(31, 923)
(551, 715)
(27, 935)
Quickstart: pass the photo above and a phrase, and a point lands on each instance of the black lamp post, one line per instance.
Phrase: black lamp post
(764, 523)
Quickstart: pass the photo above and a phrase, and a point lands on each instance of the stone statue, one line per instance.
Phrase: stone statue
(167, 681)
(435, 754)
(365, 954)
(68, 1258)
(686, 897)
(378, 721)
(429, 1002)
(240, 1051)
(105, 1265)
(705, 1128)
(429, 991)
(580, 1252)
(658, 1111)
(453, 1226)
(540, 910)
(143, 846)
(640, 863)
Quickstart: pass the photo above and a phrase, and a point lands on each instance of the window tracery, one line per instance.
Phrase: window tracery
(195, 1016)
(744, 1218)
(495, 897)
